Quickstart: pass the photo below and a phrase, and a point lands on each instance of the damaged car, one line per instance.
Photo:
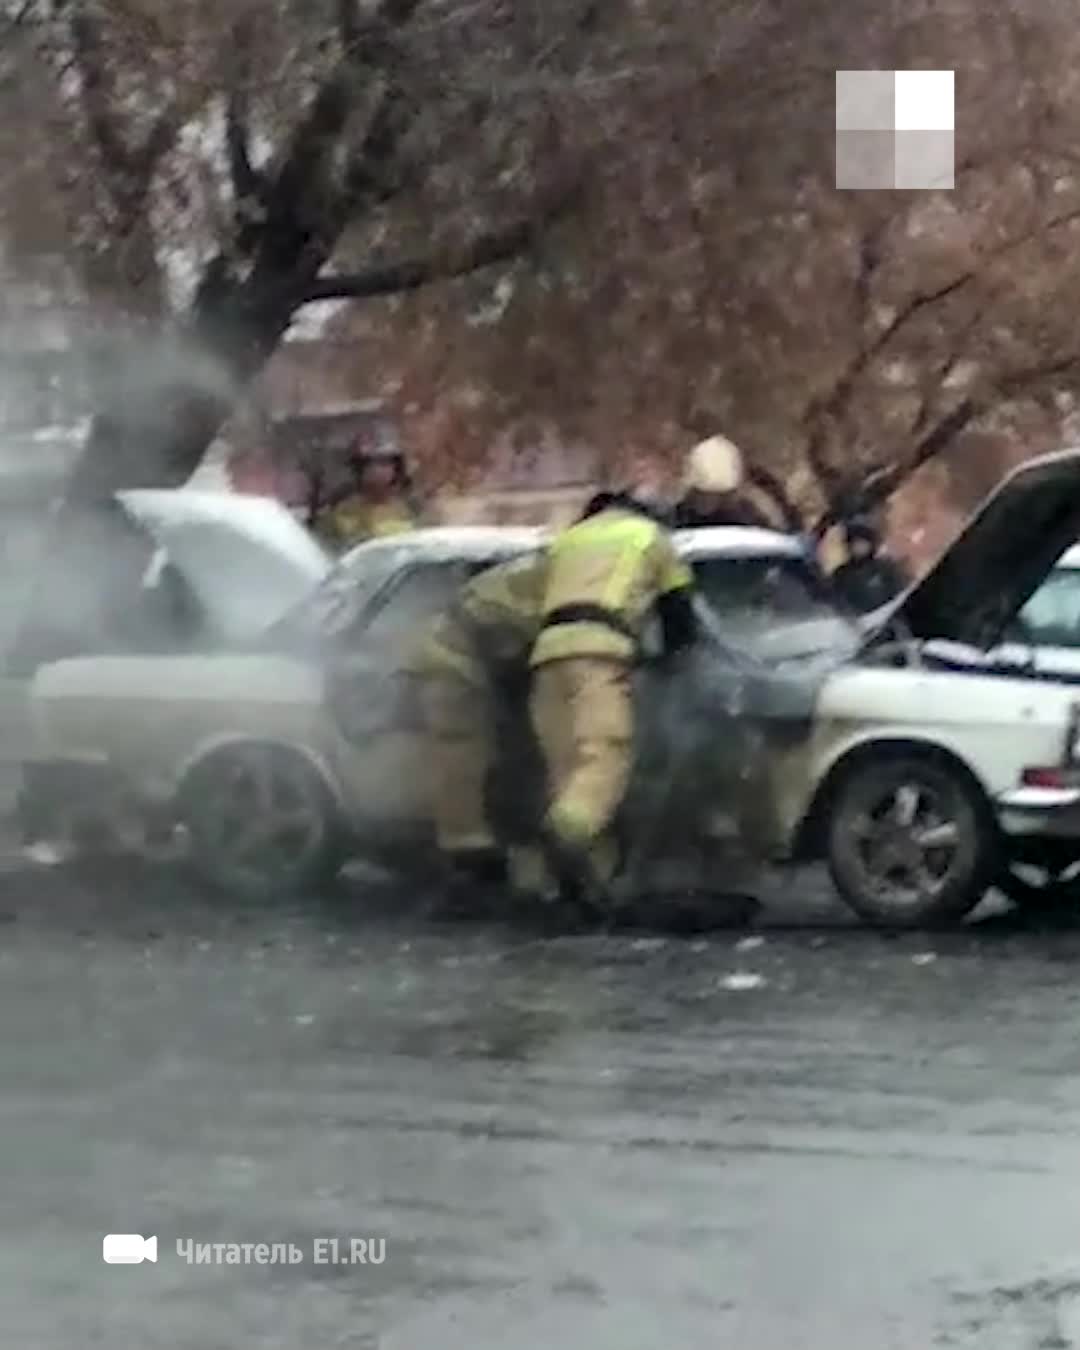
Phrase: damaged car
(920, 757)
(169, 570)
(277, 763)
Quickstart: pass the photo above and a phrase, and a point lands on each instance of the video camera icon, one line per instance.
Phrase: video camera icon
(128, 1249)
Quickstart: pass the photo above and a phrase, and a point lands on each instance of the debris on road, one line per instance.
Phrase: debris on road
(45, 854)
(740, 980)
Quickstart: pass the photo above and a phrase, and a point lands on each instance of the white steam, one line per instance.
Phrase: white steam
(59, 364)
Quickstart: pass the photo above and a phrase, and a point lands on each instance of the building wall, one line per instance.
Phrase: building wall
(550, 508)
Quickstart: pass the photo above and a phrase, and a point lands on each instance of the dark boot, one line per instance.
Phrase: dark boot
(476, 881)
(564, 918)
(583, 892)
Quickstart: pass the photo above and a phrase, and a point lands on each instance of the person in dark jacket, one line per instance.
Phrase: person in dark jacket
(869, 578)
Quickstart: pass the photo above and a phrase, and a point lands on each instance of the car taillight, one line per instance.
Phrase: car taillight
(1044, 778)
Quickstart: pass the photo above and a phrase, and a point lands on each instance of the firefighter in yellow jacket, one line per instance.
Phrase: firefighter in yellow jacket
(377, 503)
(604, 577)
(475, 654)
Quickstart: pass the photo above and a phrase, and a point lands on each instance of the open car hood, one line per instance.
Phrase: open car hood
(999, 560)
(247, 558)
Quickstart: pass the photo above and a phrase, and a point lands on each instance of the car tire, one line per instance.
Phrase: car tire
(910, 840)
(262, 823)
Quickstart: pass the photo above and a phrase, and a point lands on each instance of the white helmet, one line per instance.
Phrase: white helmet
(715, 465)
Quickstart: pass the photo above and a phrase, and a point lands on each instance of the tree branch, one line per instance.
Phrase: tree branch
(1018, 382)
(16, 20)
(90, 61)
(768, 483)
(877, 487)
(10, 32)
(159, 141)
(377, 172)
(247, 185)
(823, 412)
(371, 175)
(869, 262)
(945, 368)
(828, 409)
(300, 178)
(348, 24)
(880, 486)
(410, 274)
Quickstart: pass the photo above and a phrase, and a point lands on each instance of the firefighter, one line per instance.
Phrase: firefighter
(714, 488)
(869, 578)
(475, 655)
(378, 502)
(605, 575)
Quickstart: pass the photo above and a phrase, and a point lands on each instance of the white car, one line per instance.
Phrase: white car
(1044, 643)
(176, 571)
(909, 760)
(316, 722)
(1046, 634)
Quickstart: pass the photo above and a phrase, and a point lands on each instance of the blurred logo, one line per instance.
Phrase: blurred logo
(895, 129)
(128, 1249)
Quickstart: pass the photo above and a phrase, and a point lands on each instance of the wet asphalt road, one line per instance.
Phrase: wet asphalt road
(824, 1138)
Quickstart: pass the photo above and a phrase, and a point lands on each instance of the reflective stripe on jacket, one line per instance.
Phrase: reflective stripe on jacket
(490, 628)
(604, 575)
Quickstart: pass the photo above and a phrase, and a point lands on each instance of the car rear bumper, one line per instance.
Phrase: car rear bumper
(1049, 812)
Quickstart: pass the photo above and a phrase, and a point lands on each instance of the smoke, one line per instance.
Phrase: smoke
(61, 367)
(136, 367)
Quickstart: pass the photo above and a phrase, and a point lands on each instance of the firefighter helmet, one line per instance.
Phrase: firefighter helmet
(714, 465)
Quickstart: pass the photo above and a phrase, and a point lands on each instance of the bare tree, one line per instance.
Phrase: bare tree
(207, 166)
(714, 278)
(636, 201)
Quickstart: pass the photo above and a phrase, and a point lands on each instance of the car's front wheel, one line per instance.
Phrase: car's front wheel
(910, 840)
(261, 822)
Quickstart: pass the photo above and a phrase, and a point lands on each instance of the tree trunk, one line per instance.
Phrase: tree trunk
(169, 395)
(164, 401)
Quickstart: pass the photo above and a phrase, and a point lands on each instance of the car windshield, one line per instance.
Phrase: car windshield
(343, 594)
(1051, 618)
(754, 597)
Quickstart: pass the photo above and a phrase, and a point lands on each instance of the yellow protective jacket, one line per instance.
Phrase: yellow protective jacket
(604, 576)
(357, 519)
(489, 630)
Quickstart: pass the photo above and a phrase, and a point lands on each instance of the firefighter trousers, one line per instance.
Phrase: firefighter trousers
(459, 721)
(459, 718)
(583, 715)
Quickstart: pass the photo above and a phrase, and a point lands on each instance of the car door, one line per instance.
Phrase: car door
(371, 696)
(691, 744)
